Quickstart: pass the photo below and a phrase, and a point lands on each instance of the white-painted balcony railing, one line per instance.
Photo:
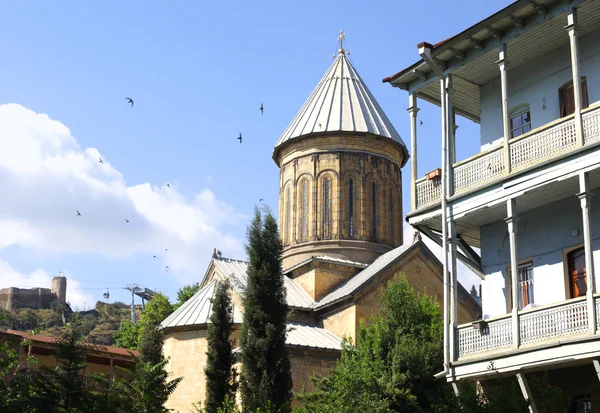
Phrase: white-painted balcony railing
(538, 325)
(495, 335)
(553, 322)
(547, 142)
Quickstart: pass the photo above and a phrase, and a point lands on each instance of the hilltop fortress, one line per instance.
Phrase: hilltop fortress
(37, 297)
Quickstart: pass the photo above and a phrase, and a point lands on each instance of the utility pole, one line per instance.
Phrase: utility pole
(134, 289)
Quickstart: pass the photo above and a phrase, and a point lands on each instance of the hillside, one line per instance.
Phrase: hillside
(101, 323)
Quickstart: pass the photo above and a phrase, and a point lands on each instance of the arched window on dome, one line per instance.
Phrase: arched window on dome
(304, 210)
(326, 208)
(288, 216)
(374, 210)
(350, 208)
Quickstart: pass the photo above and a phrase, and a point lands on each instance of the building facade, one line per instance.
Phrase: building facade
(530, 76)
(340, 221)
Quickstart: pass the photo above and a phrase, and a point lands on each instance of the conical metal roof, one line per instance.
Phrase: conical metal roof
(341, 102)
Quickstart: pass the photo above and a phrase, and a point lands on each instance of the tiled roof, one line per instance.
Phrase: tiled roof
(198, 309)
(341, 102)
(235, 271)
(97, 348)
(364, 276)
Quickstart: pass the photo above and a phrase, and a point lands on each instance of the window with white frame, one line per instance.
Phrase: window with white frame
(520, 122)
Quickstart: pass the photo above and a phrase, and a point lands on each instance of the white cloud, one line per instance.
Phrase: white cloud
(465, 276)
(9, 277)
(45, 177)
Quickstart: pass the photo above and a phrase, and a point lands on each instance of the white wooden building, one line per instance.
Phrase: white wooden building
(530, 76)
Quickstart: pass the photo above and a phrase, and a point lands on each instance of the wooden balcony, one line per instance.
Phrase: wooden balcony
(538, 326)
(549, 142)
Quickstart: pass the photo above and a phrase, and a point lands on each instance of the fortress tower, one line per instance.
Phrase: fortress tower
(59, 287)
(340, 160)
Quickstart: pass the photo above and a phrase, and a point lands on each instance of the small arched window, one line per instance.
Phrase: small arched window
(374, 210)
(304, 211)
(288, 216)
(326, 208)
(350, 208)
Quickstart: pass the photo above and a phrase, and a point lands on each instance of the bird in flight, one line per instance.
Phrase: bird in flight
(168, 185)
(420, 123)
(261, 108)
(78, 213)
(166, 268)
(130, 101)
(126, 221)
(166, 249)
(261, 200)
(240, 137)
(154, 256)
(100, 160)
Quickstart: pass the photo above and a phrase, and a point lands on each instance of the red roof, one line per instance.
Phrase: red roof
(39, 338)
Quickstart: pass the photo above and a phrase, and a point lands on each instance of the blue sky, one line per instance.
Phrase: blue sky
(198, 72)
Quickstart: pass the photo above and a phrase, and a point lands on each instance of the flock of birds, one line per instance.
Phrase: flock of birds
(131, 102)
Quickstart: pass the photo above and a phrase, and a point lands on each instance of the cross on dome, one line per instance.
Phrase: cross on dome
(341, 42)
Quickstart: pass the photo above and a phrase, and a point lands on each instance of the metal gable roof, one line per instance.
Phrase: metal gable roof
(235, 271)
(341, 102)
(198, 309)
(305, 335)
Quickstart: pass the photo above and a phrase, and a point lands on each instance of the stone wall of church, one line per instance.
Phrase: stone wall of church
(345, 201)
(306, 364)
(186, 352)
(423, 274)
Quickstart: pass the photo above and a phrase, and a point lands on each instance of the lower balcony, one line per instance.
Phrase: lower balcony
(547, 143)
(537, 327)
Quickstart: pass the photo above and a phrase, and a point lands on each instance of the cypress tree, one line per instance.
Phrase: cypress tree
(265, 379)
(220, 384)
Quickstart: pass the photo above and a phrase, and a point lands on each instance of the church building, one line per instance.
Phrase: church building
(340, 220)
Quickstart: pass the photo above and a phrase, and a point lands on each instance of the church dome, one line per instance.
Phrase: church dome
(341, 103)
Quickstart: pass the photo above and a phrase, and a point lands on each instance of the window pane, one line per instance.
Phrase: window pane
(526, 118)
(527, 128)
(350, 208)
(326, 208)
(516, 121)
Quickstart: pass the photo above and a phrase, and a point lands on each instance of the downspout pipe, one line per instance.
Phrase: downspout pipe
(425, 53)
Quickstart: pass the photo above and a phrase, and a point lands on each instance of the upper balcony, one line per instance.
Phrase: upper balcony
(547, 143)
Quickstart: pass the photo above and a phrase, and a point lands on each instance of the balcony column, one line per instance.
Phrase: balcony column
(524, 384)
(413, 110)
(505, 117)
(585, 198)
(512, 220)
(574, 43)
(446, 275)
(450, 136)
(453, 285)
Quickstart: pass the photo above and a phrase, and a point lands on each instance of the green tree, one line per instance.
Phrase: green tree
(185, 293)
(128, 335)
(150, 335)
(150, 387)
(393, 364)
(220, 375)
(265, 374)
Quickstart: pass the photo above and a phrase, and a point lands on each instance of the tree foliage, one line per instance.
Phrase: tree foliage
(185, 293)
(393, 364)
(265, 376)
(220, 375)
(391, 368)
